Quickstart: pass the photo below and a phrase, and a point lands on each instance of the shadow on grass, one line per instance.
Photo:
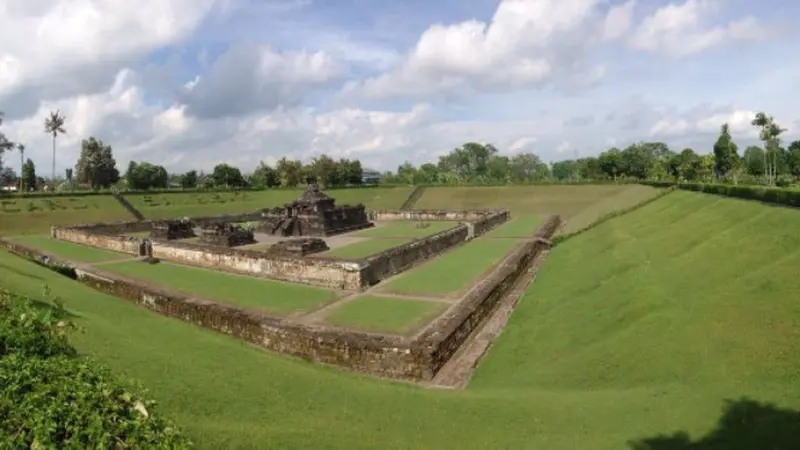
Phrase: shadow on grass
(20, 272)
(745, 425)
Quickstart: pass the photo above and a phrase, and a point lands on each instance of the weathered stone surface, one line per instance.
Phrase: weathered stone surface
(226, 235)
(298, 247)
(172, 229)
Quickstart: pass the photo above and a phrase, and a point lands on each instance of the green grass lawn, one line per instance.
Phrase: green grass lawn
(405, 229)
(517, 227)
(642, 327)
(364, 248)
(385, 314)
(69, 250)
(266, 295)
(454, 270)
(36, 215)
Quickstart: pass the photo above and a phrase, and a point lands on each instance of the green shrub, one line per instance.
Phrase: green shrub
(774, 195)
(52, 398)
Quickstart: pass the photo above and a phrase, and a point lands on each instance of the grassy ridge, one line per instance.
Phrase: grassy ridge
(641, 326)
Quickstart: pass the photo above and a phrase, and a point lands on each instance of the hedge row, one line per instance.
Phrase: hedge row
(50, 397)
(773, 195)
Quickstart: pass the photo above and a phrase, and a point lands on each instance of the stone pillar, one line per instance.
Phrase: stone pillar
(53, 232)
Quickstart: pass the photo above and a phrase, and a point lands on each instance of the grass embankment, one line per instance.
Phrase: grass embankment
(454, 270)
(585, 203)
(385, 314)
(69, 250)
(35, 215)
(518, 227)
(266, 295)
(642, 326)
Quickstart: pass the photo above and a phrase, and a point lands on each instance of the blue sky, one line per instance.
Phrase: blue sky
(240, 81)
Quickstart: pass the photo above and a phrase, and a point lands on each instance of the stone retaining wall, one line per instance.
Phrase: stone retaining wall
(332, 273)
(381, 355)
(99, 237)
(451, 330)
(401, 258)
(430, 215)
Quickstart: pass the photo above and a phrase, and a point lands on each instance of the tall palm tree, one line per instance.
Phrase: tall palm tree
(54, 125)
(21, 150)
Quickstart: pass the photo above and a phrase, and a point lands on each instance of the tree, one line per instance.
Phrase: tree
(290, 172)
(754, 161)
(144, 175)
(725, 152)
(793, 158)
(769, 134)
(324, 169)
(54, 125)
(96, 165)
(527, 167)
(612, 163)
(28, 175)
(226, 175)
(189, 180)
(7, 176)
(265, 176)
(21, 150)
(5, 144)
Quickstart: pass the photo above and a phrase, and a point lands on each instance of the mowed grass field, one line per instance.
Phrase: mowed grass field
(36, 215)
(579, 205)
(385, 314)
(248, 292)
(69, 250)
(643, 326)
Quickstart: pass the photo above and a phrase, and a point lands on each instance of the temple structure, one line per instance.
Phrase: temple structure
(313, 214)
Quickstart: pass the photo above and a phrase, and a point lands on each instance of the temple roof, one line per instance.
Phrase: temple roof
(313, 195)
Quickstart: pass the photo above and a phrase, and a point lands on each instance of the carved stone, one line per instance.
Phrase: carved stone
(313, 214)
(226, 235)
(173, 229)
(299, 247)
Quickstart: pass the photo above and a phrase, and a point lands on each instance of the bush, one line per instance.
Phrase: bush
(52, 398)
(774, 195)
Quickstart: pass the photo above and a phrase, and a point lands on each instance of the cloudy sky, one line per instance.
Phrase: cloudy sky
(191, 83)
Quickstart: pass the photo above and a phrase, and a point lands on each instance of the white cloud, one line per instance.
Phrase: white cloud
(685, 29)
(61, 48)
(618, 20)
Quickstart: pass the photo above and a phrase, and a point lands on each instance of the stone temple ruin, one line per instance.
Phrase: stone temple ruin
(313, 214)
(172, 229)
(299, 247)
(226, 234)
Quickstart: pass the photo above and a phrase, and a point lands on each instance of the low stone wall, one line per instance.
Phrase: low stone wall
(399, 259)
(489, 221)
(428, 215)
(451, 330)
(98, 238)
(387, 356)
(111, 228)
(329, 273)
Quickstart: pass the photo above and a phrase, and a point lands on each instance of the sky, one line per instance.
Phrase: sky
(192, 83)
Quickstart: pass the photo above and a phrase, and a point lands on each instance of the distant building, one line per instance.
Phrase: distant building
(370, 177)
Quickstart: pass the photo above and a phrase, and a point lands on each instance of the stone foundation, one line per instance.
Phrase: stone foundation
(388, 356)
(172, 229)
(226, 235)
(298, 247)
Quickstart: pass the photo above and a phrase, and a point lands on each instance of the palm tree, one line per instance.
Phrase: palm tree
(21, 150)
(54, 125)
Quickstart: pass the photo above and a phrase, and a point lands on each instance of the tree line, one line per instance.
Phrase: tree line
(472, 163)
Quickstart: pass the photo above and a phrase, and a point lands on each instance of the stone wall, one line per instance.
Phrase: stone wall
(386, 356)
(98, 237)
(427, 215)
(451, 330)
(382, 355)
(488, 221)
(401, 258)
(329, 273)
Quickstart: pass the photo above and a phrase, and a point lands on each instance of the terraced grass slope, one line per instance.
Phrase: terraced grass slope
(642, 326)
(580, 205)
